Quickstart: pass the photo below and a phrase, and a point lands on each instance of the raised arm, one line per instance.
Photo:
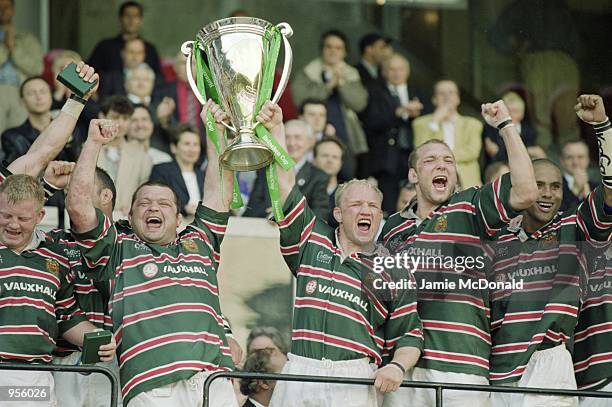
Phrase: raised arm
(79, 201)
(213, 197)
(524, 189)
(271, 116)
(53, 139)
(591, 109)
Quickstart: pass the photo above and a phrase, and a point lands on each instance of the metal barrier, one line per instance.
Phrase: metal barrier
(438, 387)
(114, 382)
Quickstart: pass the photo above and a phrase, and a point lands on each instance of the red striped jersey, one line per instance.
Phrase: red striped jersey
(334, 316)
(592, 337)
(455, 319)
(543, 313)
(164, 304)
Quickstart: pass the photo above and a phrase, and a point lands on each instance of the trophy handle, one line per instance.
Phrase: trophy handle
(188, 50)
(286, 32)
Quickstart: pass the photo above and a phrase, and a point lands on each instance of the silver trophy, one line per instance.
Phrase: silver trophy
(234, 48)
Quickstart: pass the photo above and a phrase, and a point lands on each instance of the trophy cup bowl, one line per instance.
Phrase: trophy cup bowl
(235, 51)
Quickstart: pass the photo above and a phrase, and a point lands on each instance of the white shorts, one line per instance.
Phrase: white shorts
(593, 402)
(188, 393)
(300, 394)
(550, 369)
(413, 396)
(78, 390)
(13, 378)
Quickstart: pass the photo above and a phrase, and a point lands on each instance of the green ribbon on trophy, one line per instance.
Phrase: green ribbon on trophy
(271, 41)
(207, 86)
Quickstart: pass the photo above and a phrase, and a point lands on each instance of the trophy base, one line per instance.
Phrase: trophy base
(246, 153)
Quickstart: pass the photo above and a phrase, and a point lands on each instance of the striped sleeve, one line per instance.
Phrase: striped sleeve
(99, 249)
(295, 229)
(403, 326)
(492, 203)
(227, 328)
(67, 311)
(211, 226)
(593, 222)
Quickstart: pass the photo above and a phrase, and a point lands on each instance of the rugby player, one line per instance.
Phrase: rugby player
(37, 301)
(338, 329)
(531, 325)
(164, 306)
(442, 224)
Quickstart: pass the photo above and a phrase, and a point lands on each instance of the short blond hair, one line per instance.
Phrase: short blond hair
(21, 187)
(513, 99)
(359, 182)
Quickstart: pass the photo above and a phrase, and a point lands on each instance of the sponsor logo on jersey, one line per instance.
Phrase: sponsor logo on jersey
(190, 245)
(52, 266)
(141, 246)
(441, 224)
(343, 294)
(324, 258)
(30, 287)
(149, 270)
(183, 268)
(311, 287)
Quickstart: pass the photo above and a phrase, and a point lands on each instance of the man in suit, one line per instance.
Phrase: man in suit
(387, 122)
(106, 56)
(259, 392)
(374, 49)
(461, 133)
(576, 182)
(311, 181)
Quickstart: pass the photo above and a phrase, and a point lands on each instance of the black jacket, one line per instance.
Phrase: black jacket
(106, 56)
(311, 181)
(172, 175)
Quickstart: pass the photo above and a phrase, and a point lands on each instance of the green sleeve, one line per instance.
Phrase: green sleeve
(594, 224)
(295, 229)
(67, 311)
(211, 226)
(492, 203)
(403, 326)
(99, 249)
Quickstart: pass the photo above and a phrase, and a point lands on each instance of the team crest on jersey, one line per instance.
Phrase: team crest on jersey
(149, 270)
(500, 278)
(52, 266)
(549, 240)
(190, 245)
(441, 224)
(311, 287)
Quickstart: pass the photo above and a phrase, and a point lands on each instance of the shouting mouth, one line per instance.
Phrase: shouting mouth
(440, 182)
(364, 225)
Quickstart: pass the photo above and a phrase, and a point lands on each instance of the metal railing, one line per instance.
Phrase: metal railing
(438, 387)
(114, 382)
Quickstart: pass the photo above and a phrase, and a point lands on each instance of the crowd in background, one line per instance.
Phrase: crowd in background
(343, 121)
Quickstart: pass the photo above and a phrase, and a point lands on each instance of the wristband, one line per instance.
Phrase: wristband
(399, 365)
(504, 123)
(604, 142)
(49, 188)
(78, 99)
(73, 108)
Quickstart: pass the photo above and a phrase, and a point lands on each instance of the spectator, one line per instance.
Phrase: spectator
(407, 191)
(106, 55)
(127, 163)
(331, 79)
(374, 50)
(461, 133)
(140, 89)
(311, 181)
(314, 112)
(187, 105)
(494, 147)
(36, 97)
(266, 338)
(576, 182)
(328, 154)
(186, 179)
(21, 54)
(259, 392)
(495, 170)
(141, 130)
(388, 124)
(132, 55)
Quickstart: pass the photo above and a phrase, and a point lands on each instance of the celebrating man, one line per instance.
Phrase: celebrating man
(164, 306)
(531, 325)
(442, 224)
(339, 327)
